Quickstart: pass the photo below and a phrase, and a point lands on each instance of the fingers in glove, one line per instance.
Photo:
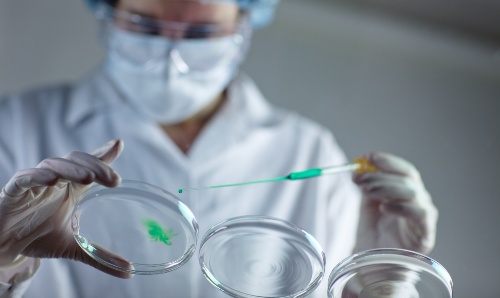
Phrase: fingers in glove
(68, 170)
(103, 173)
(109, 151)
(390, 163)
(26, 179)
(113, 258)
(98, 162)
(54, 170)
(82, 169)
(407, 210)
(382, 186)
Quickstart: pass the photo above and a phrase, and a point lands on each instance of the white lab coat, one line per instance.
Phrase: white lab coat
(248, 139)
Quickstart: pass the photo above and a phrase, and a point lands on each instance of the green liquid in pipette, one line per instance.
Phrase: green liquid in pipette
(361, 165)
(305, 174)
(292, 176)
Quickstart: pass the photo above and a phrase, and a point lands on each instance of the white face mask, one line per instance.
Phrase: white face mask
(170, 81)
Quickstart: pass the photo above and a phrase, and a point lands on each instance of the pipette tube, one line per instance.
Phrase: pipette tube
(359, 165)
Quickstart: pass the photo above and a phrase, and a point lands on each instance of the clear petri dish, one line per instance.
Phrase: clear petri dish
(384, 273)
(135, 227)
(259, 256)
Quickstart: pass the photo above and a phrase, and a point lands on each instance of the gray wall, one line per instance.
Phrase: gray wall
(380, 82)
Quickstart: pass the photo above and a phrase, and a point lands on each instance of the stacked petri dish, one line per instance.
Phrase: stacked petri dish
(389, 273)
(258, 256)
(135, 227)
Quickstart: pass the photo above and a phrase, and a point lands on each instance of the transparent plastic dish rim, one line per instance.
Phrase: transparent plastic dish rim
(153, 268)
(220, 227)
(386, 256)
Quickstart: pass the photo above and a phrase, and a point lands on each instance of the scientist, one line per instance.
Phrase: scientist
(171, 90)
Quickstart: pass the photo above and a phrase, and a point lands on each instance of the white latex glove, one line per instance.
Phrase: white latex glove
(36, 206)
(396, 210)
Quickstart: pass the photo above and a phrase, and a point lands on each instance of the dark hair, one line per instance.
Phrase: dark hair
(111, 2)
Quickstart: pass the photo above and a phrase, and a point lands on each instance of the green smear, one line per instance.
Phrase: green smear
(157, 233)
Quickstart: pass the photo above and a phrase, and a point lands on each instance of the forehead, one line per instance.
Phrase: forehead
(183, 10)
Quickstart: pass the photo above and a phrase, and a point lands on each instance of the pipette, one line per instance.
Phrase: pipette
(360, 165)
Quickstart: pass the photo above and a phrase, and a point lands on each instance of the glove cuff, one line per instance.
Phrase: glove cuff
(17, 261)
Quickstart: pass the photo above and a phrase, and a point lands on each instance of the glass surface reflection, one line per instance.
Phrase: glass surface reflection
(257, 256)
(389, 273)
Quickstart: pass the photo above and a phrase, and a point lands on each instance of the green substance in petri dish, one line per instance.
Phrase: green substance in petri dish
(157, 233)
(180, 190)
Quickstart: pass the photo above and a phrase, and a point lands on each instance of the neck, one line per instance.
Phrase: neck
(183, 134)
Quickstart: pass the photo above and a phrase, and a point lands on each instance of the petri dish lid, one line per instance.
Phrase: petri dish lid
(141, 223)
(259, 256)
(384, 273)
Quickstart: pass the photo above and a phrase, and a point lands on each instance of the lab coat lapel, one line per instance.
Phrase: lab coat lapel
(244, 110)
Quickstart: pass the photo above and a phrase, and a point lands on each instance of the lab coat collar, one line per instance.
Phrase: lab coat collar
(244, 111)
(257, 110)
(96, 92)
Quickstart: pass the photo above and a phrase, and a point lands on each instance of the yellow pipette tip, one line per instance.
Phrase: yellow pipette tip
(365, 165)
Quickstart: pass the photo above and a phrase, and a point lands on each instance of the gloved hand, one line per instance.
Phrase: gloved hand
(396, 209)
(36, 205)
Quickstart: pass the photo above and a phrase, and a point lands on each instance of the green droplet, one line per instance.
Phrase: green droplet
(180, 190)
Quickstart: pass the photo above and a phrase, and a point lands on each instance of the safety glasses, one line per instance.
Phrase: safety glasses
(189, 46)
(174, 30)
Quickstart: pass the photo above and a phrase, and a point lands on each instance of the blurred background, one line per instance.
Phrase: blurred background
(420, 79)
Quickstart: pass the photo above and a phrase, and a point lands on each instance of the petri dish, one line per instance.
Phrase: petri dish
(135, 227)
(259, 256)
(384, 273)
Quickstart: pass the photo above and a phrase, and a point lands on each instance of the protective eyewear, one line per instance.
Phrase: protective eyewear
(137, 23)
(189, 47)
